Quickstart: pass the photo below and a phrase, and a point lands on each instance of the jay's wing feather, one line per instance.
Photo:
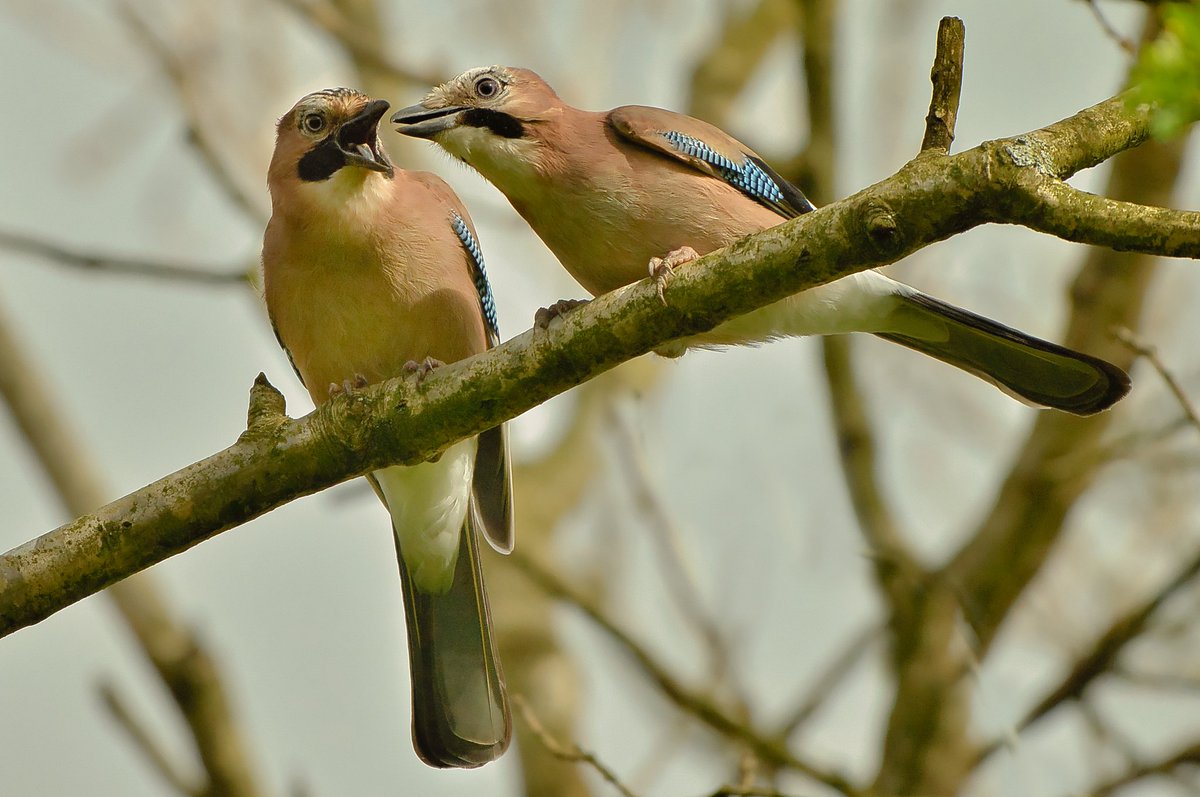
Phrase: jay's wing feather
(279, 340)
(710, 150)
(492, 483)
(492, 489)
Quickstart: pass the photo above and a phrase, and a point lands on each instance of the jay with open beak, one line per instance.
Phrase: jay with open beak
(614, 193)
(371, 272)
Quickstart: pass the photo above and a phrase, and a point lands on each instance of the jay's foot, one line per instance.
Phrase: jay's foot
(663, 268)
(358, 382)
(544, 315)
(422, 369)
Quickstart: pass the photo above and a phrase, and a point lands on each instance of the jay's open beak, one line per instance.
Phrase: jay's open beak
(358, 139)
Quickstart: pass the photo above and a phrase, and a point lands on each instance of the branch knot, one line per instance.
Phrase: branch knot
(882, 229)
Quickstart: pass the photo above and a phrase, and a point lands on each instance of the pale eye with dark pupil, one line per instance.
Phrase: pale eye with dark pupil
(313, 123)
(487, 88)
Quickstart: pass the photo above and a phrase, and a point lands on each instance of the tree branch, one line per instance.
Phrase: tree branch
(568, 752)
(194, 110)
(1051, 206)
(1189, 754)
(361, 45)
(770, 751)
(928, 749)
(746, 37)
(48, 250)
(182, 664)
(398, 422)
(153, 751)
(946, 75)
(678, 574)
(1101, 659)
(1014, 540)
(838, 669)
(1150, 354)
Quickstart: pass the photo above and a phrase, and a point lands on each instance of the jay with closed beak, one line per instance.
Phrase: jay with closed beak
(613, 193)
(371, 272)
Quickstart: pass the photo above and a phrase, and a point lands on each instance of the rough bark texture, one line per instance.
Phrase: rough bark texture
(279, 459)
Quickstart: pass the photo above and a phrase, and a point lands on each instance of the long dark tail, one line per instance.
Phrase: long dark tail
(460, 710)
(1028, 368)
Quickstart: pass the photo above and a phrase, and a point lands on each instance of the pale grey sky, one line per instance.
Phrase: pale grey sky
(303, 605)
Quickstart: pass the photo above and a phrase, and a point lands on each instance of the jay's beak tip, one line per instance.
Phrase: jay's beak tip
(359, 142)
(419, 121)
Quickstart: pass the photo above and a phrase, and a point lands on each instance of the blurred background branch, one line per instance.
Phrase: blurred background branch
(737, 591)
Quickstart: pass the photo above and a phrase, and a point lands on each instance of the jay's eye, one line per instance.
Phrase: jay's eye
(487, 87)
(313, 123)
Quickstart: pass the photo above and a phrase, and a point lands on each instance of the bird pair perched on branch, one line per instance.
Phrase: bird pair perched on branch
(371, 271)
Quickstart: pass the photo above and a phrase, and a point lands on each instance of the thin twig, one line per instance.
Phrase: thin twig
(1101, 659)
(1150, 354)
(187, 671)
(157, 269)
(1189, 754)
(1124, 42)
(677, 569)
(946, 75)
(743, 40)
(327, 17)
(567, 751)
(194, 109)
(146, 741)
(1156, 680)
(825, 684)
(396, 423)
(703, 708)
(897, 570)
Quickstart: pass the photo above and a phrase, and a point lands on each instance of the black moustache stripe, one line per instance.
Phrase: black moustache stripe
(321, 162)
(500, 123)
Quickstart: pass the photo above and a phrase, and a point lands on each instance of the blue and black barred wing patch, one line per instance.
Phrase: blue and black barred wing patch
(753, 177)
(709, 150)
(487, 303)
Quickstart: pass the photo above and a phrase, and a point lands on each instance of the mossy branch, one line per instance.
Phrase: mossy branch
(398, 422)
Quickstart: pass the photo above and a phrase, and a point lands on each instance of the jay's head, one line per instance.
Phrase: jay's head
(330, 137)
(484, 115)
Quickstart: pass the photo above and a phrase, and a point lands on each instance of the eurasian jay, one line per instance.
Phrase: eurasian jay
(371, 272)
(611, 192)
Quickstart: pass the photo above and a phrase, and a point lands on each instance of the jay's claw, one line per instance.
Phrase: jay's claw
(348, 386)
(422, 369)
(663, 268)
(544, 315)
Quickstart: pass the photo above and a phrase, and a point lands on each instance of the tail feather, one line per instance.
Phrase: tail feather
(1030, 369)
(460, 709)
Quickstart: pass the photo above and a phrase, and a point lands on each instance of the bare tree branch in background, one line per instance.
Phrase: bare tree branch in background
(898, 573)
(678, 573)
(1166, 765)
(157, 269)
(573, 753)
(187, 670)
(702, 707)
(356, 26)
(1148, 352)
(193, 103)
(1101, 659)
(725, 69)
(928, 749)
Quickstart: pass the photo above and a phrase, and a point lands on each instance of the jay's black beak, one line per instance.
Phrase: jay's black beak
(421, 122)
(358, 139)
